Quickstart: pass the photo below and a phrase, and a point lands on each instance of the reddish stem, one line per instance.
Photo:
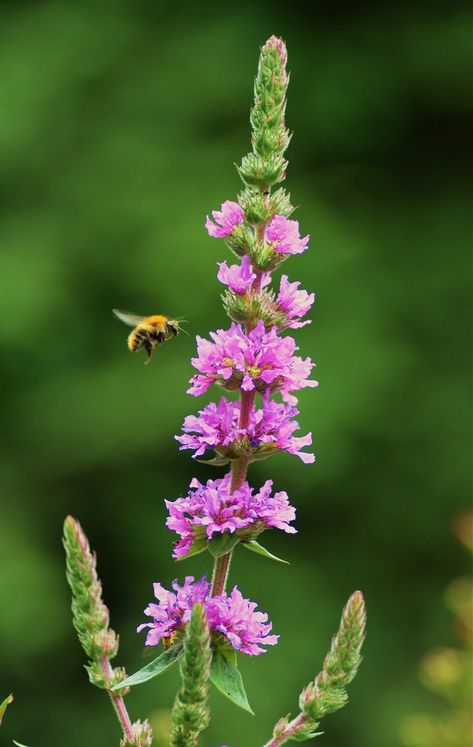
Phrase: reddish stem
(220, 574)
(239, 466)
(238, 473)
(292, 728)
(118, 703)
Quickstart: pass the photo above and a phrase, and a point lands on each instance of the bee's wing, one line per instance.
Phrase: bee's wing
(131, 319)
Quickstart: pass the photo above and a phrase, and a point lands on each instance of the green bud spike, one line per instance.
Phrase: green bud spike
(190, 713)
(91, 620)
(3, 706)
(327, 693)
(266, 165)
(90, 615)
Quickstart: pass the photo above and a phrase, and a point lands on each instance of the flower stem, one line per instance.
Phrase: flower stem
(220, 574)
(118, 703)
(290, 731)
(238, 473)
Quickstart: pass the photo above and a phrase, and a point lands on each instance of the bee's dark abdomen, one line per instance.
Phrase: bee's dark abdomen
(136, 340)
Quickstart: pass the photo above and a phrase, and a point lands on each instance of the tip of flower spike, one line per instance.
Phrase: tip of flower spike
(277, 43)
(356, 607)
(72, 528)
(70, 522)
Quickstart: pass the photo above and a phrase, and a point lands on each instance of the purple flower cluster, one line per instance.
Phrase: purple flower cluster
(234, 620)
(291, 301)
(281, 234)
(214, 509)
(270, 429)
(255, 360)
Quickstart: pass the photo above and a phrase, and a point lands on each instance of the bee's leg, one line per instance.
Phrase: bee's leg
(171, 330)
(149, 347)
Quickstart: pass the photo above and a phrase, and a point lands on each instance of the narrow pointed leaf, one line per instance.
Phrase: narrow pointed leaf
(255, 546)
(228, 680)
(159, 665)
(222, 544)
(18, 744)
(3, 706)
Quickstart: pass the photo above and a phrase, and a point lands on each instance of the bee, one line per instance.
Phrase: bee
(149, 331)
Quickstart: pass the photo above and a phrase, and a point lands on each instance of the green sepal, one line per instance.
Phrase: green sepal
(262, 172)
(227, 678)
(3, 706)
(163, 662)
(196, 548)
(222, 544)
(255, 546)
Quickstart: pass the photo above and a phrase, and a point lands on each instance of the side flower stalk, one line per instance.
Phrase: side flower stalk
(327, 693)
(91, 620)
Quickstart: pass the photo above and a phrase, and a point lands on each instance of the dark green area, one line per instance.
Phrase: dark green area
(120, 124)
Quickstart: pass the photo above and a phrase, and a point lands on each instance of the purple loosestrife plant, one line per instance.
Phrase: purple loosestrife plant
(199, 623)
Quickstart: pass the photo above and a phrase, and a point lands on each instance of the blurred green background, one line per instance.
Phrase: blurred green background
(120, 124)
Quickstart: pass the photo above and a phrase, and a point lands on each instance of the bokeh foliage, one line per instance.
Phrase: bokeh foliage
(120, 123)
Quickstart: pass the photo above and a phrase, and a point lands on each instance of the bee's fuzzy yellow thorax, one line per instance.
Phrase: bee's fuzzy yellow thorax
(155, 320)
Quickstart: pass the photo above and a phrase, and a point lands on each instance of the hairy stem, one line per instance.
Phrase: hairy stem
(118, 703)
(220, 574)
(291, 730)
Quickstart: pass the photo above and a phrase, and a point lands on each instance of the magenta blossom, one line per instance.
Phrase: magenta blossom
(230, 216)
(232, 618)
(239, 278)
(270, 429)
(293, 302)
(212, 509)
(241, 625)
(254, 360)
(174, 609)
(283, 236)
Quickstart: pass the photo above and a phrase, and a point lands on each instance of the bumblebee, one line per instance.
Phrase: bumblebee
(149, 331)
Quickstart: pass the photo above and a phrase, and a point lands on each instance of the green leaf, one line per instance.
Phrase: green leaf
(255, 546)
(159, 665)
(217, 461)
(18, 743)
(231, 655)
(195, 549)
(305, 735)
(222, 544)
(228, 680)
(3, 706)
